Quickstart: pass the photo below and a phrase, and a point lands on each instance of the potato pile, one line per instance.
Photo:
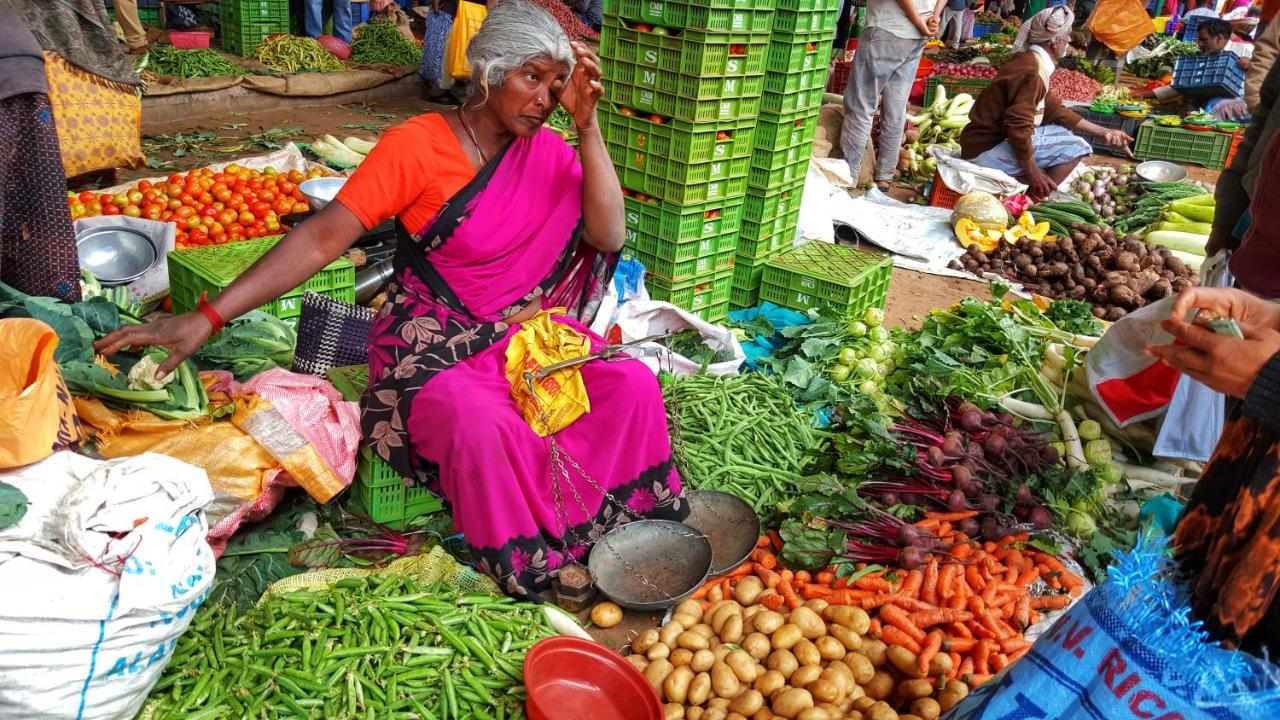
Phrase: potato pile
(738, 660)
(1117, 275)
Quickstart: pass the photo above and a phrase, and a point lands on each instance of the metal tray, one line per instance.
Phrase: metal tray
(650, 564)
(730, 524)
(116, 254)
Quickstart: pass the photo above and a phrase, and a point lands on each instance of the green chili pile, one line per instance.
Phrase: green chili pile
(376, 647)
(168, 60)
(742, 434)
(381, 43)
(289, 54)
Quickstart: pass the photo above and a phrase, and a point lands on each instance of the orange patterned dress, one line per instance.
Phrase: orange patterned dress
(1229, 539)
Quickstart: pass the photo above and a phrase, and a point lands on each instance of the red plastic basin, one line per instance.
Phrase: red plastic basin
(569, 678)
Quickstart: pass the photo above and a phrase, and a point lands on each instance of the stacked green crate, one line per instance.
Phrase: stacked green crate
(684, 86)
(794, 81)
(245, 23)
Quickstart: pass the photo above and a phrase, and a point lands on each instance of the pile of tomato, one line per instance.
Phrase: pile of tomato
(209, 207)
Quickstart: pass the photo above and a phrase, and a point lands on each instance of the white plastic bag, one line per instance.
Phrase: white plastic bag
(627, 285)
(639, 319)
(101, 576)
(1193, 423)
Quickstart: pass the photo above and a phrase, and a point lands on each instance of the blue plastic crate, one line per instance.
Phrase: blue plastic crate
(1204, 77)
(1191, 27)
(981, 30)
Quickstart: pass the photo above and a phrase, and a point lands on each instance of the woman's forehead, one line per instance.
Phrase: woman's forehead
(543, 64)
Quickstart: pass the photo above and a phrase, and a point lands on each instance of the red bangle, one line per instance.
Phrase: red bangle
(210, 314)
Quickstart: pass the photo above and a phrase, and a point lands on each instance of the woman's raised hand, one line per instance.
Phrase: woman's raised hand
(585, 87)
(181, 334)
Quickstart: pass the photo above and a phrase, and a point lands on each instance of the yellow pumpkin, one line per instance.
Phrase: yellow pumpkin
(969, 233)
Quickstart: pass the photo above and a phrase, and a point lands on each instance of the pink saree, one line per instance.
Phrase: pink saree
(439, 406)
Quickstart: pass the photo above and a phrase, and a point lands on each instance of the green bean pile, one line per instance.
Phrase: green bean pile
(369, 647)
(741, 434)
(289, 54)
(168, 60)
(381, 43)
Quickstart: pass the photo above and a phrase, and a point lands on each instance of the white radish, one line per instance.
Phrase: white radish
(564, 623)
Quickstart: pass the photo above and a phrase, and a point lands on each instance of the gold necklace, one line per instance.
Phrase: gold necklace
(471, 134)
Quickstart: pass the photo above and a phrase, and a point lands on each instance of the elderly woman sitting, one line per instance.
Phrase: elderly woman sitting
(1018, 125)
(506, 238)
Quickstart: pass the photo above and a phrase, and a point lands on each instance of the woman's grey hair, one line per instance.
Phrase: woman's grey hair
(514, 33)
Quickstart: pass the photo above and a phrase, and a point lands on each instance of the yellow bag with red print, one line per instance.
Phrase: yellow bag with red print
(99, 122)
(555, 401)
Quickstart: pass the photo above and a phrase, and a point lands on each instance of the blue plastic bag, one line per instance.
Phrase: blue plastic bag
(1129, 649)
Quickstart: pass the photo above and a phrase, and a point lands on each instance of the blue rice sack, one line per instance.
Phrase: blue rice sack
(1130, 649)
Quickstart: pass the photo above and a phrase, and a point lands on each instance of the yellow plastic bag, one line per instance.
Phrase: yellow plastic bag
(1120, 24)
(559, 398)
(466, 23)
(37, 417)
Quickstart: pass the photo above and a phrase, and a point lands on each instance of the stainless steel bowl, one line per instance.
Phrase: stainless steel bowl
(1160, 171)
(320, 191)
(116, 254)
(650, 564)
(730, 524)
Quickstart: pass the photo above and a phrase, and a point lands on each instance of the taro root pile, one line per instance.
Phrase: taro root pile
(1115, 275)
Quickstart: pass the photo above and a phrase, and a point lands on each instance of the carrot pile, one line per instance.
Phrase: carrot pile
(971, 600)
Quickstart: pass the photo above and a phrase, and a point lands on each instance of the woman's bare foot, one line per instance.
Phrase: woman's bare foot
(141, 49)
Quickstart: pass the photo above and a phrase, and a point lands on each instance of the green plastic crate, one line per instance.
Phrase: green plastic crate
(378, 491)
(798, 52)
(255, 11)
(819, 19)
(797, 101)
(757, 242)
(147, 16)
(684, 260)
(808, 5)
(662, 187)
(696, 269)
(692, 295)
(750, 16)
(243, 38)
(660, 167)
(765, 178)
(783, 83)
(782, 131)
(763, 205)
(1209, 149)
(681, 107)
(689, 87)
(744, 291)
(677, 140)
(714, 313)
(682, 227)
(824, 275)
(954, 86)
(692, 52)
(773, 160)
(350, 380)
(213, 267)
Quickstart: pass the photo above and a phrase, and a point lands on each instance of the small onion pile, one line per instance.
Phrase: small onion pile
(965, 70)
(1074, 86)
(1109, 191)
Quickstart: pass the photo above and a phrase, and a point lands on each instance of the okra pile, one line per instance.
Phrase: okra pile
(363, 648)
